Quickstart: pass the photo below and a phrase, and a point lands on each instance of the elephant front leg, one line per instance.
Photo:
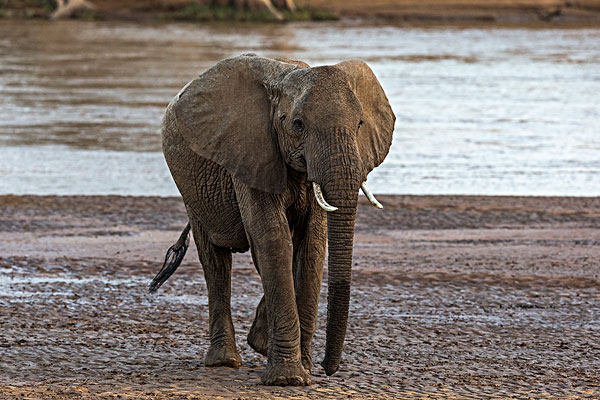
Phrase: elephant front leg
(216, 263)
(310, 242)
(270, 238)
(274, 255)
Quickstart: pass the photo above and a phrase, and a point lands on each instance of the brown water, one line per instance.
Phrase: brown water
(479, 111)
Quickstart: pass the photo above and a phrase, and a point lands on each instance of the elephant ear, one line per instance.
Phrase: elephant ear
(377, 129)
(225, 116)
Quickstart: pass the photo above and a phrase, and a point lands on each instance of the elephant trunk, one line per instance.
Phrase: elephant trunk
(340, 232)
(340, 178)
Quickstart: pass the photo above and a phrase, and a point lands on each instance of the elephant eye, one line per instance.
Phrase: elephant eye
(360, 123)
(298, 124)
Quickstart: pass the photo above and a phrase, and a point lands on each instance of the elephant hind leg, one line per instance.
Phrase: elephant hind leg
(258, 336)
(216, 263)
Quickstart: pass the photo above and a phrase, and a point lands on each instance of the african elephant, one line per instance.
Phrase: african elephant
(269, 155)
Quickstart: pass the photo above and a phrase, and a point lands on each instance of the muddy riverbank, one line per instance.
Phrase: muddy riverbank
(453, 297)
(469, 11)
(419, 11)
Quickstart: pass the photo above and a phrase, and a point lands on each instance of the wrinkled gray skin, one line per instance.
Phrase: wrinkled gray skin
(244, 141)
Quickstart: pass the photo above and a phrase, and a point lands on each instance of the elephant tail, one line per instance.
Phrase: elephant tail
(173, 258)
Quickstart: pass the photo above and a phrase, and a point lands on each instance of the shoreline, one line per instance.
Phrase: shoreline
(400, 212)
(468, 11)
(543, 12)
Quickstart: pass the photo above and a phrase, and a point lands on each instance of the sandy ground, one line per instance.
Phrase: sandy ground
(453, 297)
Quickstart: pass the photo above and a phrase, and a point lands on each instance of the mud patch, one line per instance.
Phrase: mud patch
(435, 313)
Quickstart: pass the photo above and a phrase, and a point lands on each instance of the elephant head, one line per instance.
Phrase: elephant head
(257, 116)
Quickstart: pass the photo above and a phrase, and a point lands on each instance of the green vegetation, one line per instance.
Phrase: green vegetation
(194, 11)
(309, 14)
(88, 15)
(197, 12)
(48, 5)
(26, 8)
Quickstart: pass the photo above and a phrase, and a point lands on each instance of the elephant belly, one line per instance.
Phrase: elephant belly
(215, 207)
(207, 192)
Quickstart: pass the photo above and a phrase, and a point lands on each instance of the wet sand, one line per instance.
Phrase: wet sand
(453, 297)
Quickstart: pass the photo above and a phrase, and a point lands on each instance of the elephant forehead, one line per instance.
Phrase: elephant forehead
(332, 99)
(315, 88)
(325, 76)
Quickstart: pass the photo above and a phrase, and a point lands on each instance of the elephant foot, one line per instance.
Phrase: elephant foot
(307, 361)
(285, 374)
(222, 356)
(258, 337)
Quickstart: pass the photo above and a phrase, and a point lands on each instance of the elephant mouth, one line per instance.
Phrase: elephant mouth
(329, 208)
(297, 161)
(302, 161)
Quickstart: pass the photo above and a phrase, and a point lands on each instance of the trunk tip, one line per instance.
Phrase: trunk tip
(330, 367)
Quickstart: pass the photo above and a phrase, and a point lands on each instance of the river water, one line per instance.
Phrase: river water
(479, 111)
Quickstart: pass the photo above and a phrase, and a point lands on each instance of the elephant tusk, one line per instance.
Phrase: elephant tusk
(370, 196)
(321, 200)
